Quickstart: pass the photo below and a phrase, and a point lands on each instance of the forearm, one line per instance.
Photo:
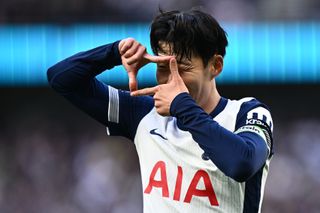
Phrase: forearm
(77, 72)
(74, 79)
(238, 155)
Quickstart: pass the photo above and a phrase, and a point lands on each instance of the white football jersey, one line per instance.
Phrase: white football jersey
(176, 176)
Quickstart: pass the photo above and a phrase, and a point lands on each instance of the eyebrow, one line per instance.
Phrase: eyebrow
(182, 61)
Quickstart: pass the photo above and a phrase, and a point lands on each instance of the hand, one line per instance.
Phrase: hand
(134, 56)
(165, 93)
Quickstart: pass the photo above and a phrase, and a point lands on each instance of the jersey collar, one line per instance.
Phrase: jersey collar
(220, 106)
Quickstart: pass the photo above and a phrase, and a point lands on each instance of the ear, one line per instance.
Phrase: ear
(215, 65)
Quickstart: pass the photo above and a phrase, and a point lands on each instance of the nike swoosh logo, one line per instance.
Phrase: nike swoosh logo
(153, 132)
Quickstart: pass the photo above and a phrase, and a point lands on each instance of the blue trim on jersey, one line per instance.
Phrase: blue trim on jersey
(220, 107)
(252, 193)
(238, 156)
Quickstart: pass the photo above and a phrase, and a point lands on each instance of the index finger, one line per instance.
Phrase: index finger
(157, 59)
(145, 91)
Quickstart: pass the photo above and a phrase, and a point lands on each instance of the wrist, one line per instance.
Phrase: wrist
(177, 101)
(115, 56)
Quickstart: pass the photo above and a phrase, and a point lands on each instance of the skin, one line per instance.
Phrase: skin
(173, 77)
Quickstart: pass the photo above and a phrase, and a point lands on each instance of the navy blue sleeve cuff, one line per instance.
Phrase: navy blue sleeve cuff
(178, 102)
(114, 58)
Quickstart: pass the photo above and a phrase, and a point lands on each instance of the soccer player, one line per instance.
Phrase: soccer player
(198, 151)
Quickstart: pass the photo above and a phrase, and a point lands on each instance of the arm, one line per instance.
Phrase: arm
(74, 78)
(239, 156)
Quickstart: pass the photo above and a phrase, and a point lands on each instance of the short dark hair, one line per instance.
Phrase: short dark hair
(188, 33)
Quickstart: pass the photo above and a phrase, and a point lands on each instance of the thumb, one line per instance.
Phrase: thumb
(174, 69)
(133, 84)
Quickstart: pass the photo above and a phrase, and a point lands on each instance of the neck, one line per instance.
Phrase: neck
(209, 98)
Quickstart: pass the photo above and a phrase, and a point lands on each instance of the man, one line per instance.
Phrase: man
(198, 151)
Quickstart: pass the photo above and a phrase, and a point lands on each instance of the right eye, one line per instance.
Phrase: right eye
(162, 68)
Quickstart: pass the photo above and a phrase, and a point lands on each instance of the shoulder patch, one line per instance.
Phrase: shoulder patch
(260, 116)
(255, 117)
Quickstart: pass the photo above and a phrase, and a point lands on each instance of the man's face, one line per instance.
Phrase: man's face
(193, 72)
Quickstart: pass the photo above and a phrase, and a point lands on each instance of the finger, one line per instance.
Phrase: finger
(174, 68)
(158, 59)
(133, 49)
(127, 44)
(121, 44)
(133, 84)
(137, 56)
(145, 91)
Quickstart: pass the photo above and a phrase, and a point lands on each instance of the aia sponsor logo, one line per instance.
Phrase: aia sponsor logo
(175, 194)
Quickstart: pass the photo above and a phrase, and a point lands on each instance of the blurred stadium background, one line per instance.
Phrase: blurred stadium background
(54, 158)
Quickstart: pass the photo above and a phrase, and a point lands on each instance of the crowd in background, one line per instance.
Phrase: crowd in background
(55, 159)
(61, 11)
